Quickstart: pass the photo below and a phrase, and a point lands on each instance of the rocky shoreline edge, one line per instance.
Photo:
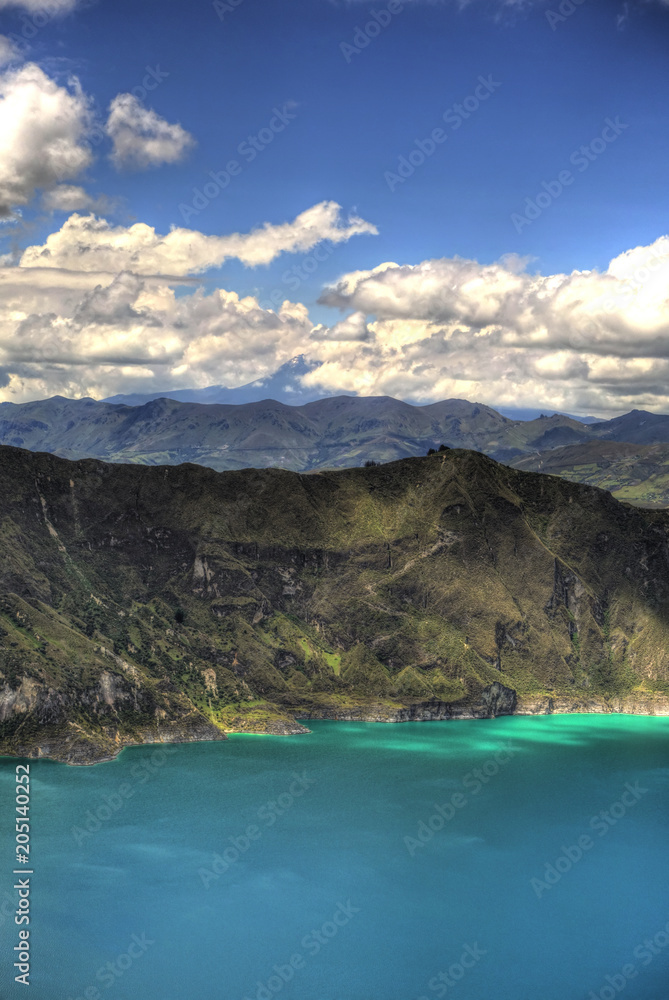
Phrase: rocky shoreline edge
(76, 748)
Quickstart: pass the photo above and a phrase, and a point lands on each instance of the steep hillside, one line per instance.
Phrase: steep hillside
(141, 603)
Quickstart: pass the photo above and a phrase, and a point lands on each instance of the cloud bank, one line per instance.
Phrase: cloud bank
(583, 342)
(586, 341)
(93, 310)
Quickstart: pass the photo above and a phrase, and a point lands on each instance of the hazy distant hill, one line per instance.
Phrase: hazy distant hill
(629, 456)
(284, 386)
(637, 426)
(532, 413)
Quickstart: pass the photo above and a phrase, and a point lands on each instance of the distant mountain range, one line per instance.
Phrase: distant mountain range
(335, 432)
(525, 413)
(330, 433)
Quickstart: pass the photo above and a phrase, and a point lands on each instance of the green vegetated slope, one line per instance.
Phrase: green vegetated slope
(142, 603)
(636, 473)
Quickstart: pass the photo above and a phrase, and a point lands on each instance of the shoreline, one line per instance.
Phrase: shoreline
(496, 701)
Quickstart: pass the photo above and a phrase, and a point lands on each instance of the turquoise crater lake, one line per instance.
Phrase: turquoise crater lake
(512, 859)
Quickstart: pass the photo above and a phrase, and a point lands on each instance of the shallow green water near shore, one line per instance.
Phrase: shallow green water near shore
(362, 862)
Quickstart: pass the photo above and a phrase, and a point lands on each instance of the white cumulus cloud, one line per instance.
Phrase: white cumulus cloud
(141, 138)
(353, 327)
(43, 128)
(59, 337)
(586, 342)
(90, 244)
(620, 311)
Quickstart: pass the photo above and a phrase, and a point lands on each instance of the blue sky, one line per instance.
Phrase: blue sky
(350, 116)
(355, 119)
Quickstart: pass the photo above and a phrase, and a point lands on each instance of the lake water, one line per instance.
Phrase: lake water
(362, 862)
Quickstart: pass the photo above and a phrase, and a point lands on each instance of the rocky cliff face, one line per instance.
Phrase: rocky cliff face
(145, 604)
(494, 700)
(634, 703)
